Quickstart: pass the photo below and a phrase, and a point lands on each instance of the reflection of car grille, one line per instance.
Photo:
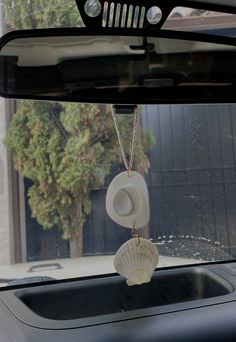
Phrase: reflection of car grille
(123, 15)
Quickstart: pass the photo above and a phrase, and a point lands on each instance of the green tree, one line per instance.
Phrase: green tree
(32, 14)
(66, 150)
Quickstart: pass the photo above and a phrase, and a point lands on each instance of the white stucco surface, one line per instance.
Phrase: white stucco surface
(5, 211)
(5, 230)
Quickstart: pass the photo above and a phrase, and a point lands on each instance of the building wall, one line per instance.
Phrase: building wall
(6, 238)
(6, 241)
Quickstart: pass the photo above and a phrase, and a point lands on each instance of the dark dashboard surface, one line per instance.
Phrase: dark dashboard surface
(183, 304)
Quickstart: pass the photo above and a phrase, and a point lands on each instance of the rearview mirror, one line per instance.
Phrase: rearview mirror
(116, 69)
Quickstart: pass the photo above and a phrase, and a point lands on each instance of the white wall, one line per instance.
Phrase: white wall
(6, 238)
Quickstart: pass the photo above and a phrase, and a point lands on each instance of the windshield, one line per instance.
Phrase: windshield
(58, 159)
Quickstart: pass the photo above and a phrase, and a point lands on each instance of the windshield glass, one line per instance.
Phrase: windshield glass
(58, 159)
(66, 155)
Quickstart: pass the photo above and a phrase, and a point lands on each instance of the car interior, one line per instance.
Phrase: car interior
(120, 144)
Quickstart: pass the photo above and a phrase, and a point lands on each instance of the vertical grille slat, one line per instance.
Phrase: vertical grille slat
(111, 15)
(117, 15)
(105, 13)
(130, 16)
(123, 15)
(121, 11)
(136, 17)
(127, 16)
(142, 16)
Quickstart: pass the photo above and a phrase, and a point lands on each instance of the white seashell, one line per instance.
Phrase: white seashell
(136, 260)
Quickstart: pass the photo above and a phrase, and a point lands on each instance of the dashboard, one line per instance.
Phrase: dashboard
(192, 303)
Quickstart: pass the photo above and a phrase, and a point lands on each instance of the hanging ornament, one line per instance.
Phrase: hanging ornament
(127, 200)
(127, 204)
(136, 260)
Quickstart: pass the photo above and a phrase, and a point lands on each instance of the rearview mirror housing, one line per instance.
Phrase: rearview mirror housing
(80, 65)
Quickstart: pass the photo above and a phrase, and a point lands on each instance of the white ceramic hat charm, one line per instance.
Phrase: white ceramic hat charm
(136, 260)
(127, 200)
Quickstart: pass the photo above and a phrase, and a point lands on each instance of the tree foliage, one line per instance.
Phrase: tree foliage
(65, 167)
(31, 14)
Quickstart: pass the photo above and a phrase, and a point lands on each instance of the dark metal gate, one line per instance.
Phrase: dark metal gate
(101, 234)
(193, 174)
(192, 183)
(42, 244)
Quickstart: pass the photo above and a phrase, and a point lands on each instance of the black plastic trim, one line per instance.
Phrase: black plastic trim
(188, 95)
(165, 6)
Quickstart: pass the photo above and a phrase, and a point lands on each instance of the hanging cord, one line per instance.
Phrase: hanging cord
(129, 165)
(135, 234)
